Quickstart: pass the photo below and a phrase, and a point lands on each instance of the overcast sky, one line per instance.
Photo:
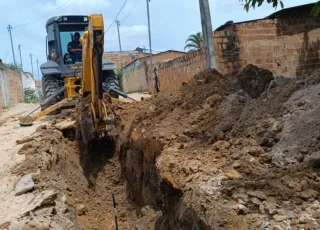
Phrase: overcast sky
(172, 21)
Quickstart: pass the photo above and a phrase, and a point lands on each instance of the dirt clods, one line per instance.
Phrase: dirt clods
(228, 152)
(73, 183)
(232, 152)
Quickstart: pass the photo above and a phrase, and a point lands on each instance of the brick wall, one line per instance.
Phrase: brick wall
(166, 56)
(285, 46)
(137, 76)
(10, 88)
(173, 73)
(287, 43)
(126, 57)
(15, 87)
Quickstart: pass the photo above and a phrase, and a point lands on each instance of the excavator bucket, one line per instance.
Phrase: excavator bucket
(87, 127)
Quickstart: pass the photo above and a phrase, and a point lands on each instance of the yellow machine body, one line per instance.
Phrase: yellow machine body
(90, 72)
(87, 84)
(71, 90)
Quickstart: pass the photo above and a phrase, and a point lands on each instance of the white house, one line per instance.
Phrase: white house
(27, 80)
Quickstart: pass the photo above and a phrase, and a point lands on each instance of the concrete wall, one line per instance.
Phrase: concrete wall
(135, 78)
(4, 89)
(28, 80)
(10, 88)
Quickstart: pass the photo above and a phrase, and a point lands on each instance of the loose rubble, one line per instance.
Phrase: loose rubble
(231, 152)
(25, 184)
(260, 133)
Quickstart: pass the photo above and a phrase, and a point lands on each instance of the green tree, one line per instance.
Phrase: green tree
(10, 66)
(30, 96)
(316, 9)
(256, 3)
(119, 74)
(194, 42)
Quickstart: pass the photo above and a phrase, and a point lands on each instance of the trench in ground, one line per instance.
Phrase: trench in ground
(131, 174)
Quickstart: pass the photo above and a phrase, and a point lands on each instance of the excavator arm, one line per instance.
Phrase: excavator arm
(92, 52)
(92, 111)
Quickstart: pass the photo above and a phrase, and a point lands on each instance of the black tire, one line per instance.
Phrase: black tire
(110, 77)
(50, 85)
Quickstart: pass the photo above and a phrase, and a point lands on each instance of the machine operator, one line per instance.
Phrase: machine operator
(75, 49)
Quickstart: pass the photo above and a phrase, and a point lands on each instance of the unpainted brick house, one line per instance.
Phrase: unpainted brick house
(127, 57)
(137, 76)
(286, 42)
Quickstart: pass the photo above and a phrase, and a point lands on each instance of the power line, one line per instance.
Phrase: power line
(125, 2)
(43, 15)
(137, 3)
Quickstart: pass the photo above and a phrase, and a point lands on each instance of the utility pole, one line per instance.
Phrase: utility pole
(31, 64)
(19, 48)
(118, 24)
(38, 69)
(149, 35)
(207, 34)
(14, 58)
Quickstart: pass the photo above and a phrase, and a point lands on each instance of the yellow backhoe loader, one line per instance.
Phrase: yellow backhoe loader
(83, 81)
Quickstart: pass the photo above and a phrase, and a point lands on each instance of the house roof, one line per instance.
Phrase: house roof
(281, 13)
(38, 84)
(290, 9)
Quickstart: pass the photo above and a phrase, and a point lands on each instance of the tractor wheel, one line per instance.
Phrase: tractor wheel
(111, 79)
(50, 84)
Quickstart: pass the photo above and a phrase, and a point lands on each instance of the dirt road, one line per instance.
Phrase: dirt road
(72, 185)
(10, 132)
(232, 152)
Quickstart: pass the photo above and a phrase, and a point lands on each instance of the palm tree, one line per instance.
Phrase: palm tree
(193, 42)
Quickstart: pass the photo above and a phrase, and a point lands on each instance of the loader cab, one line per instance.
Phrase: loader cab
(60, 31)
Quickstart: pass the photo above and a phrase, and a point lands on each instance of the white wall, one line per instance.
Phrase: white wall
(4, 87)
(28, 81)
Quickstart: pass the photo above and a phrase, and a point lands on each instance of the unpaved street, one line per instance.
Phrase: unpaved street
(228, 153)
(72, 185)
(10, 132)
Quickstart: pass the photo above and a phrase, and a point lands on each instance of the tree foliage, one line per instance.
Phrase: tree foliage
(316, 9)
(10, 66)
(194, 42)
(275, 3)
(119, 74)
(30, 96)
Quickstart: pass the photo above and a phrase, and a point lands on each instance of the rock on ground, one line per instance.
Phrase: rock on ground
(25, 184)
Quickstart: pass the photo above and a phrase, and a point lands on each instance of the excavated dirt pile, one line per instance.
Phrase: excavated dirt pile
(227, 152)
(231, 152)
(74, 184)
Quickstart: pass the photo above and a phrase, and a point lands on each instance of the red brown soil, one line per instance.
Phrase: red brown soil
(87, 176)
(223, 152)
(221, 141)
